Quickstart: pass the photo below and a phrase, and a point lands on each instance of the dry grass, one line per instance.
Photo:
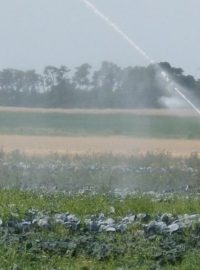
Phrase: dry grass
(178, 112)
(117, 145)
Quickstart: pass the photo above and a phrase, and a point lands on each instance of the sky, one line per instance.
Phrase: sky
(37, 33)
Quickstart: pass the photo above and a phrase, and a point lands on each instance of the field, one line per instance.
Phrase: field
(117, 145)
(92, 131)
(99, 212)
(99, 189)
(104, 124)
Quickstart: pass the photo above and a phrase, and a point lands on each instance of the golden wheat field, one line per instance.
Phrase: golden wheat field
(117, 145)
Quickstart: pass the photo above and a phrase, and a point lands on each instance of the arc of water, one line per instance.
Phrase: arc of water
(187, 100)
(117, 29)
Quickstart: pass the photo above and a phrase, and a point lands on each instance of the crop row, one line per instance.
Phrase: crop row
(100, 172)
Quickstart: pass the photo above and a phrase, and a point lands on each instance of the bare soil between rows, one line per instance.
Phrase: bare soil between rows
(116, 145)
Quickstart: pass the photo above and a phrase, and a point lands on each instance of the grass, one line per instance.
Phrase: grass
(38, 123)
(126, 250)
(19, 201)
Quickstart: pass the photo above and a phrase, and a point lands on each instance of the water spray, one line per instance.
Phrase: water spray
(166, 78)
(134, 45)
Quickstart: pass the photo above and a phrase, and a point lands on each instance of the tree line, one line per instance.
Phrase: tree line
(108, 87)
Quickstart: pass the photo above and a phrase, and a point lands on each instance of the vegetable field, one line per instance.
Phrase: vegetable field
(99, 190)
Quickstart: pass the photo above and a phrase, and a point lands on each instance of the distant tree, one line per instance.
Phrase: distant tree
(186, 82)
(60, 90)
(171, 70)
(62, 95)
(139, 88)
(54, 76)
(81, 77)
(11, 82)
(105, 82)
(19, 88)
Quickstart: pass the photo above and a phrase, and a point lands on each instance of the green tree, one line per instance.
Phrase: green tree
(81, 77)
(105, 83)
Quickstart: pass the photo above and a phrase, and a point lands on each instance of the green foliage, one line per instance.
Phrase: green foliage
(20, 202)
(61, 248)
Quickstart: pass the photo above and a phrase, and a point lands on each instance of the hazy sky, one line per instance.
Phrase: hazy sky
(36, 33)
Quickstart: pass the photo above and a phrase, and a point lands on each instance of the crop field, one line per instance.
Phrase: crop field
(40, 132)
(116, 145)
(99, 190)
(99, 212)
(87, 124)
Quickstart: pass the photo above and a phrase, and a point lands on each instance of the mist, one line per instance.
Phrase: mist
(110, 86)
